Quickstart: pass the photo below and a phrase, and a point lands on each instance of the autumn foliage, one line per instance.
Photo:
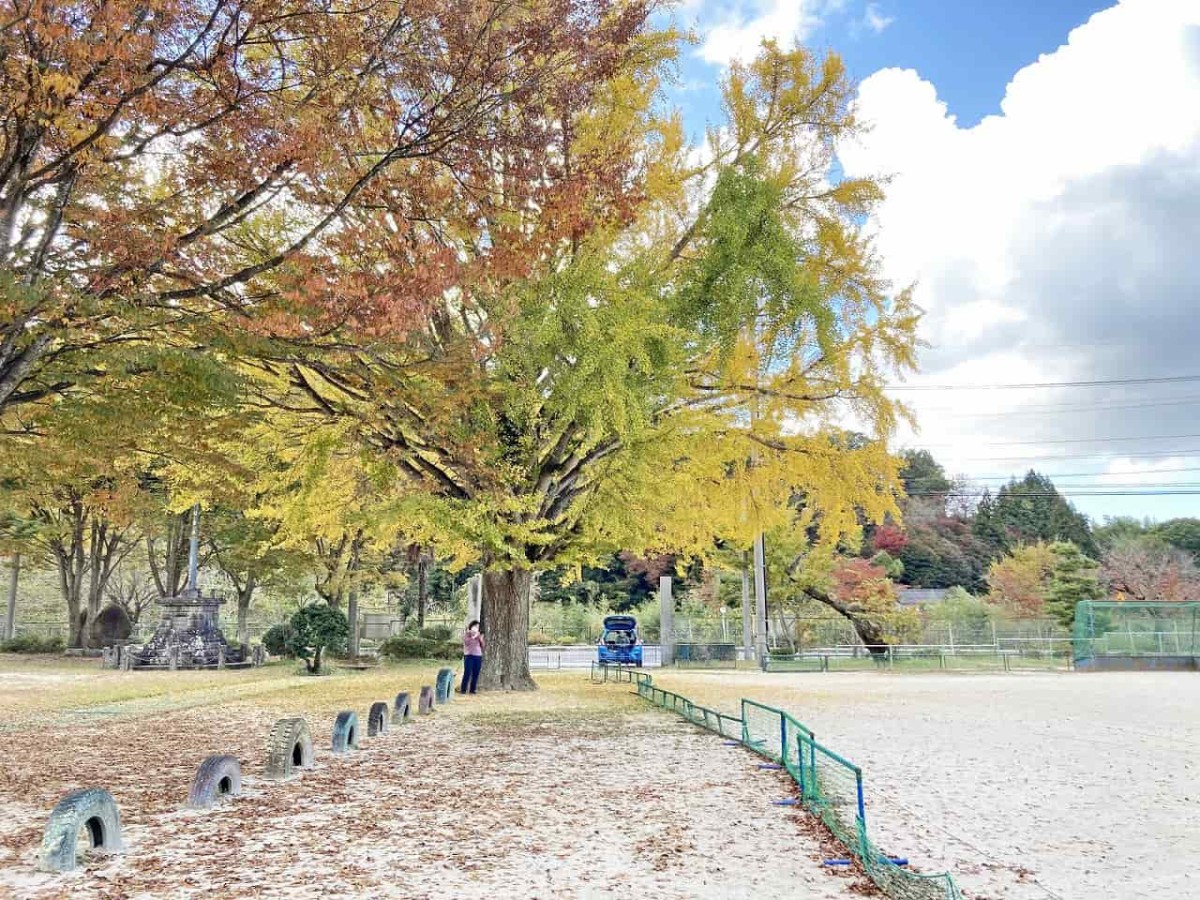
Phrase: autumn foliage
(447, 273)
(208, 169)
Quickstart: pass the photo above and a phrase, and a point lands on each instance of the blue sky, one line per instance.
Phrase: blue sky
(1044, 164)
(970, 50)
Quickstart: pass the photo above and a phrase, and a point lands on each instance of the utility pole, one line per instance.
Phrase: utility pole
(666, 620)
(352, 614)
(747, 635)
(760, 597)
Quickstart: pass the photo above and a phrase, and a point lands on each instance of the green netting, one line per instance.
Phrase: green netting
(1137, 634)
(830, 785)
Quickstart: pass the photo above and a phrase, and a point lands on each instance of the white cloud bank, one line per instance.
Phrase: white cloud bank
(1059, 240)
(739, 33)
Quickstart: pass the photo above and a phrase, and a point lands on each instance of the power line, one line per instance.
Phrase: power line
(1069, 457)
(1172, 379)
(1064, 408)
(1088, 474)
(971, 495)
(1100, 440)
(1101, 485)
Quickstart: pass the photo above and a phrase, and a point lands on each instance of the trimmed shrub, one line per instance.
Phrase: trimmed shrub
(31, 643)
(278, 639)
(539, 639)
(437, 633)
(316, 629)
(405, 647)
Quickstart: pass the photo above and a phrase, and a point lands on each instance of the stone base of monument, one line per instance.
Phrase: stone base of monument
(188, 637)
(90, 813)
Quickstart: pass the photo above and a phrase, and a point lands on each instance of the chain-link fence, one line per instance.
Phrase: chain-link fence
(1130, 634)
(1008, 656)
(830, 785)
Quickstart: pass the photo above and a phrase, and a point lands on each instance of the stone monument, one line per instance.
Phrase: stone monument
(188, 636)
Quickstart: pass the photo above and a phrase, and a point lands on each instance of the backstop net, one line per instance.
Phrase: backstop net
(1134, 635)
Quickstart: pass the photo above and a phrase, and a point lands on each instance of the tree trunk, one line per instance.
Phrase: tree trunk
(505, 617)
(422, 589)
(245, 594)
(871, 634)
(10, 618)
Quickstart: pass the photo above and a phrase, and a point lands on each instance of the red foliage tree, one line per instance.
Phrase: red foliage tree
(293, 167)
(890, 538)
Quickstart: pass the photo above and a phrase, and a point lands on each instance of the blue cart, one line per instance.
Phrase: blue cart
(619, 643)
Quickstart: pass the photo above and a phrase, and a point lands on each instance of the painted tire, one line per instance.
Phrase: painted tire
(289, 748)
(402, 710)
(90, 808)
(445, 685)
(345, 731)
(218, 776)
(377, 719)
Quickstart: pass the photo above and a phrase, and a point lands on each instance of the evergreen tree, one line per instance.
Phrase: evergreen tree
(1032, 510)
(987, 526)
(1073, 577)
(923, 475)
(1182, 533)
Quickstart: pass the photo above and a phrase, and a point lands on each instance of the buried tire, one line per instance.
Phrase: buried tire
(289, 748)
(345, 731)
(445, 685)
(402, 710)
(218, 776)
(90, 813)
(377, 719)
(425, 701)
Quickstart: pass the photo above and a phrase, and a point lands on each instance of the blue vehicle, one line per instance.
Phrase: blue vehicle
(619, 642)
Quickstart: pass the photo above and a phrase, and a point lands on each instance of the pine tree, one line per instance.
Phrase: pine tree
(1073, 577)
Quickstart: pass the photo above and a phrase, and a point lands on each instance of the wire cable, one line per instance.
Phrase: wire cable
(1033, 385)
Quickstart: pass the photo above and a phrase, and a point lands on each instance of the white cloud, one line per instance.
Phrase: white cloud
(739, 34)
(1055, 241)
(875, 20)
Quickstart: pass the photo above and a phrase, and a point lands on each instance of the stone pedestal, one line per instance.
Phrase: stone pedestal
(188, 636)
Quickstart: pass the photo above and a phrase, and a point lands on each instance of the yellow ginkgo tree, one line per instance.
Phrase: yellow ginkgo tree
(683, 365)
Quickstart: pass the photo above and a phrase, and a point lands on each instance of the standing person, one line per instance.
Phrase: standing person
(472, 658)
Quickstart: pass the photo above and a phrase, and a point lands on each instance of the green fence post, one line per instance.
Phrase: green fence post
(800, 764)
(782, 739)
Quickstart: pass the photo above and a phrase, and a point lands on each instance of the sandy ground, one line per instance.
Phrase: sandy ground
(577, 791)
(1026, 787)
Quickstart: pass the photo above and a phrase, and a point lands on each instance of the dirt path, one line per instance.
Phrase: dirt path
(573, 792)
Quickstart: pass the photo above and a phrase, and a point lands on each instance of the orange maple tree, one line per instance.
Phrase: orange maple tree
(285, 167)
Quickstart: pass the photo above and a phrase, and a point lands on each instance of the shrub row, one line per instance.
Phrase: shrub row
(402, 646)
(30, 643)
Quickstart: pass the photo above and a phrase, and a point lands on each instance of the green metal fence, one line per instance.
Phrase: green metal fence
(1135, 634)
(831, 786)
(1041, 655)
